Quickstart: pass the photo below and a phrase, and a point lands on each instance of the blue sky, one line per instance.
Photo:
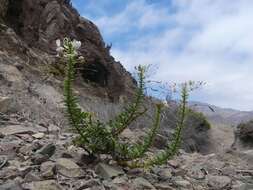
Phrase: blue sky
(202, 40)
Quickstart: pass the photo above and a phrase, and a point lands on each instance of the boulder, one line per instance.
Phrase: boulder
(47, 169)
(219, 182)
(68, 168)
(5, 103)
(108, 172)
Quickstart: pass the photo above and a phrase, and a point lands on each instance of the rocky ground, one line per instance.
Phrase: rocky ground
(39, 157)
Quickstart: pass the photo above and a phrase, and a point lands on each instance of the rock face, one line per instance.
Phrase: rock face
(39, 23)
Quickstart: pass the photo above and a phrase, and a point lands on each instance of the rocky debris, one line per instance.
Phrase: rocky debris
(231, 170)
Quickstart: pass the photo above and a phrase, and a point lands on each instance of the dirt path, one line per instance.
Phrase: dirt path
(222, 137)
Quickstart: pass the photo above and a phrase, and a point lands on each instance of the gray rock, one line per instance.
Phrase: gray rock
(23, 171)
(43, 185)
(5, 104)
(247, 155)
(196, 173)
(108, 185)
(182, 183)
(48, 150)
(38, 135)
(9, 172)
(239, 186)
(120, 180)
(141, 183)
(173, 163)
(68, 168)
(28, 149)
(39, 158)
(32, 176)
(165, 174)
(108, 172)
(163, 186)
(17, 129)
(11, 185)
(47, 169)
(219, 182)
(53, 128)
(43, 154)
(81, 184)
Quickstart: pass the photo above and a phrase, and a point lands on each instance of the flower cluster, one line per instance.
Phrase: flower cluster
(66, 45)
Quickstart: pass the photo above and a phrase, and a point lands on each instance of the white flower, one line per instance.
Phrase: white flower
(76, 44)
(59, 49)
(58, 43)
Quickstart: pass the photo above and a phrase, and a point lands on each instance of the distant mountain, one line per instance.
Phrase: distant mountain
(224, 116)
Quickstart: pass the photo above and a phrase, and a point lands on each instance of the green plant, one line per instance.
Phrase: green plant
(200, 118)
(97, 137)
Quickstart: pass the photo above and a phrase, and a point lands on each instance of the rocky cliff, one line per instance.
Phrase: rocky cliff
(39, 23)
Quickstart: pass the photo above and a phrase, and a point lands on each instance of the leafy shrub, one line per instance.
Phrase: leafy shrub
(203, 122)
(97, 137)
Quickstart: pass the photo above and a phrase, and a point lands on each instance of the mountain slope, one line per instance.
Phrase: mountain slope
(225, 116)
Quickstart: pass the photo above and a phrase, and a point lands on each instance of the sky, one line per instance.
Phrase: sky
(200, 40)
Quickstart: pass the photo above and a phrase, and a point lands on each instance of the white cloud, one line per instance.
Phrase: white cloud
(137, 14)
(209, 40)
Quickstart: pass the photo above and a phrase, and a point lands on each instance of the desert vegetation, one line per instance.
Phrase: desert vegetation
(97, 137)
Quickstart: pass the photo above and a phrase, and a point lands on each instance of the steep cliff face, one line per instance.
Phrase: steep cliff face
(39, 23)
